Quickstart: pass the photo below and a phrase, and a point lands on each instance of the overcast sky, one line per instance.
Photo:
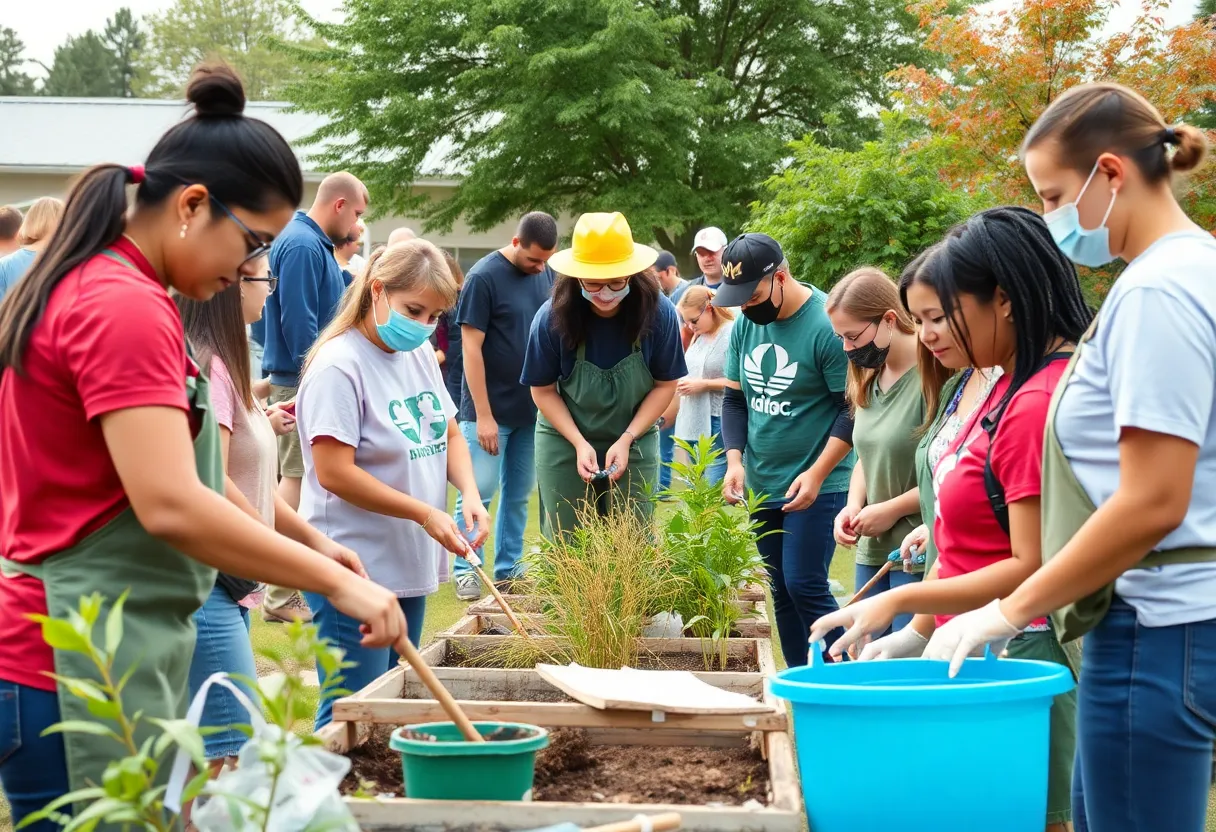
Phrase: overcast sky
(44, 24)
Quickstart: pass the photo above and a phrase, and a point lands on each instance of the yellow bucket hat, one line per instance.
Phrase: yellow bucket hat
(603, 249)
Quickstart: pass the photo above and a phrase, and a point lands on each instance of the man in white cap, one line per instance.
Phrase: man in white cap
(708, 245)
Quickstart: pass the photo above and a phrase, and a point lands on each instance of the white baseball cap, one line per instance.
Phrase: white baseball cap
(710, 239)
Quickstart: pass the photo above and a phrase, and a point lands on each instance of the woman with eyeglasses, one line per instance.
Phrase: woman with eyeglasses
(111, 474)
(603, 360)
(700, 392)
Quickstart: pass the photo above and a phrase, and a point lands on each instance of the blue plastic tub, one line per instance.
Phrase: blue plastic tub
(898, 746)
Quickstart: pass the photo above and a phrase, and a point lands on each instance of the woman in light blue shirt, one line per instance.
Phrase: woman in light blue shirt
(1129, 468)
(35, 233)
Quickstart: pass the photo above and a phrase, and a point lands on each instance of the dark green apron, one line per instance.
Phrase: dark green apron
(602, 404)
(1066, 507)
(158, 626)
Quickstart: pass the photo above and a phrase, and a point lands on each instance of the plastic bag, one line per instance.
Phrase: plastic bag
(305, 798)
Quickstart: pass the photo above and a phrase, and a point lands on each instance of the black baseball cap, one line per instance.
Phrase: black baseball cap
(748, 259)
(666, 261)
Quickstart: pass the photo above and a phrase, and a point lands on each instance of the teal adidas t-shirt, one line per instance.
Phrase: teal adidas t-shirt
(788, 371)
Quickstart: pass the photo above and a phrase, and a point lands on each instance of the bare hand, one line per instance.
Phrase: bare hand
(587, 460)
(282, 418)
(477, 520)
(733, 484)
(444, 531)
(691, 386)
(873, 520)
(918, 537)
(842, 528)
(802, 492)
(862, 621)
(339, 553)
(383, 622)
(487, 435)
(617, 458)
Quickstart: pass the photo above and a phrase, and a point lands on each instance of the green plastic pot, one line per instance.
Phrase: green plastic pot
(455, 769)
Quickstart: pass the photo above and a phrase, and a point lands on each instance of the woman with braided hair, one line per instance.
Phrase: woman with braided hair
(996, 292)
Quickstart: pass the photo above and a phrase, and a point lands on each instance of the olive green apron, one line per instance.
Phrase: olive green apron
(602, 404)
(158, 626)
(1066, 507)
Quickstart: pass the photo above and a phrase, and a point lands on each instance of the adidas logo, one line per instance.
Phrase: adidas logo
(768, 387)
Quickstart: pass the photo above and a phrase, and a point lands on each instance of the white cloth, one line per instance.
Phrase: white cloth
(356, 264)
(706, 358)
(393, 409)
(1152, 365)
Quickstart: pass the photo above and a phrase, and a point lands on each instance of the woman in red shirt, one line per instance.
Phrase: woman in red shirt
(110, 473)
(995, 292)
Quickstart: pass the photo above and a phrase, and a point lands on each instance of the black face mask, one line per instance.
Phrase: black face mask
(869, 357)
(766, 312)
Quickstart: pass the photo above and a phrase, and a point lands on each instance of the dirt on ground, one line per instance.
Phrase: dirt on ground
(571, 769)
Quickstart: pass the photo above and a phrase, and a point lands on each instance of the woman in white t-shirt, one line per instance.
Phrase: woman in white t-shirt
(1131, 432)
(381, 444)
(699, 394)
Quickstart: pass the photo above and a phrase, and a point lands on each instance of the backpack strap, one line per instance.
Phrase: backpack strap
(996, 491)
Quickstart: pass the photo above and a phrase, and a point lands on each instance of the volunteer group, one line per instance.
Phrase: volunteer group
(1037, 472)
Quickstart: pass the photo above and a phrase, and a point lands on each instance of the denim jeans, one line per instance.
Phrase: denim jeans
(1145, 725)
(667, 452)
(895, 577)
(513, 472)
(798, 557)
(222, 645)
(370, 664)
(717, 472)
(33, 768)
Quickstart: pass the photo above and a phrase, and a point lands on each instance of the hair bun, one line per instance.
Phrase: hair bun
(216, 91)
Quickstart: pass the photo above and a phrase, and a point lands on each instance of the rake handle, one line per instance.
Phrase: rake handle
(886, 567)
(502, 602)
(450, 707)
(659, 823)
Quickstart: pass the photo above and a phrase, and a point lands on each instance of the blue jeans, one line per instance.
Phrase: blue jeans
(222, 645)
(1146, 713)
(667, 452)
(513, 472)
(717, 472)
(33, 768)
(895, 577)
(370, 664)
(798, 557)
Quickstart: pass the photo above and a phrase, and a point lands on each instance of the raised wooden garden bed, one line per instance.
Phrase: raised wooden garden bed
(699, 748)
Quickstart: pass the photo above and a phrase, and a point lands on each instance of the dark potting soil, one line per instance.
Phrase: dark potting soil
(571, 769)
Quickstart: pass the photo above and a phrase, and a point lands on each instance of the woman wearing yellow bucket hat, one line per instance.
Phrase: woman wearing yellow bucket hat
(603, 360)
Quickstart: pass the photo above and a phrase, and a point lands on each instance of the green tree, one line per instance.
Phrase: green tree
(834, 210)
(239, 32)
(126, 42)
(12, 58)
(670, 111)
(83, 67)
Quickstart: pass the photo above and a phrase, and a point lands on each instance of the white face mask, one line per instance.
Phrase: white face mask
(1089, 247)
(607, 296)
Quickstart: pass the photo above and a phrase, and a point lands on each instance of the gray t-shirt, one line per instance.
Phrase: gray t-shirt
(706, 358)
(393, 409)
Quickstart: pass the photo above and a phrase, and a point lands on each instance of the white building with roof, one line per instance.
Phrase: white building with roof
(45, 142)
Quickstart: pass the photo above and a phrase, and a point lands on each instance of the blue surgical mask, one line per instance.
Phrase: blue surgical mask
(606, 295)
(1084, 246)
(399, 332)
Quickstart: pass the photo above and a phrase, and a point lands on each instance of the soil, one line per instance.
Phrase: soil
(573, 770)
(459, 656)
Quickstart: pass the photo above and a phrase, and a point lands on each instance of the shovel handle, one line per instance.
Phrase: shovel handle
(659, 823)
(453, 710)
(502, 602)
(886, 567)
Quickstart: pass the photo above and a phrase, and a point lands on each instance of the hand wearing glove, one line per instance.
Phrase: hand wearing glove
(967, 635)
(862, 620)
(901, 644)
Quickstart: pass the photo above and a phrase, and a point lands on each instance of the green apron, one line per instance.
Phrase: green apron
(602, 404)
(1066, 507)
(158, 626)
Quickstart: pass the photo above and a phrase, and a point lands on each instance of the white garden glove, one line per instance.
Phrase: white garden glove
(862, 621)
(967, 635)
(901, 644)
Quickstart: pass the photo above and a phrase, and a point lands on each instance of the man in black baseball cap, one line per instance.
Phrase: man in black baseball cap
(668, 272)
(785, 412)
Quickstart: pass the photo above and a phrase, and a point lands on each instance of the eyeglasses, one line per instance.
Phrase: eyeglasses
(853, 338)
(270, 279)
(594, 286)
(257, 246)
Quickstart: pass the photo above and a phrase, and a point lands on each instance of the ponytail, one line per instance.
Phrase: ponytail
(93, 219)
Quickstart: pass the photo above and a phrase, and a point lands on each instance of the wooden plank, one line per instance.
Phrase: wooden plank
(783, 779)
(751, 592)
(469, 625)
(338, 737)
(735, 647)
(405, 815)
(549, 715)
(524, 685)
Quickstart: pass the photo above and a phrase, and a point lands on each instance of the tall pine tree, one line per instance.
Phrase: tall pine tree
(13, 80)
